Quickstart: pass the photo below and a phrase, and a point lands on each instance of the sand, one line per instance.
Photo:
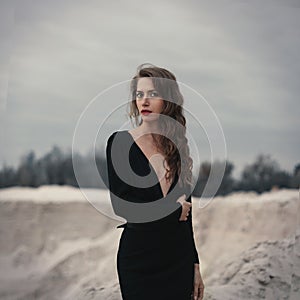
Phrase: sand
(54, 244)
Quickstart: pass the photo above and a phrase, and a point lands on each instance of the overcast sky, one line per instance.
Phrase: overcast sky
(241, 56)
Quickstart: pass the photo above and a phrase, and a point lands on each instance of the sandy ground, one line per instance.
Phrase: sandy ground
(54, 244)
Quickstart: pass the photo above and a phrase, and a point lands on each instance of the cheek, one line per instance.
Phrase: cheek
(160, 105)
(137, 103)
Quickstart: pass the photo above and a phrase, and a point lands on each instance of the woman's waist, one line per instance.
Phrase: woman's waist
(156, 225)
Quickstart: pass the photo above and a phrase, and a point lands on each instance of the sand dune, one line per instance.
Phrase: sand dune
(54, 244)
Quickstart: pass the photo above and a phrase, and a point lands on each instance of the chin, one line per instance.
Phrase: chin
(149, 119)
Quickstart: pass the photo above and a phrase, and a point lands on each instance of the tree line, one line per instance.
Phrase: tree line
(56, 167)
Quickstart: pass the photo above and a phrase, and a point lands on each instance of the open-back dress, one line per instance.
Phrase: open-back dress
(155, 259)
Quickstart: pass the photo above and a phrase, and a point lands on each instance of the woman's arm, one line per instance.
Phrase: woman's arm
(189, 220)
(117, 187)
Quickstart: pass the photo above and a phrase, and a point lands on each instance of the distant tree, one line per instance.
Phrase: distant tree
(297, 169)
(227, 183)
(26, 174)
(281, 179)
(55, 167)
(295, 180)
(69, 175)
(215, 171)
(204, 172)
(8, 177)
(40, 170)
(262, 175)
(102, 169)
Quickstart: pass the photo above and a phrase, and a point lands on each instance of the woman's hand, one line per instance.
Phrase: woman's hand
(186, 206)
(198, 284)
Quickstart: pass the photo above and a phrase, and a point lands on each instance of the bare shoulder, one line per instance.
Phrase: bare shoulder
(134, 132)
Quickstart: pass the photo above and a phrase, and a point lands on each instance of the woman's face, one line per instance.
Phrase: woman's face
(148, 100)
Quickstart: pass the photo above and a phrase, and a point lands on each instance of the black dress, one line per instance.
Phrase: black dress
(155, 259)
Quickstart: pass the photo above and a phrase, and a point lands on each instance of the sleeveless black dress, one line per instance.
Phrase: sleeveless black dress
(155, 259)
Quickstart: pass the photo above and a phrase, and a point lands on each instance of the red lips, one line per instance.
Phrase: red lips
(146, 110)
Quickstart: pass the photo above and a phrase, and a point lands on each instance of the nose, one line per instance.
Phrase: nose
(146, 96)
(145, 100)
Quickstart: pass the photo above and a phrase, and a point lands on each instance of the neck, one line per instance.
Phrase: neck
(149, 128)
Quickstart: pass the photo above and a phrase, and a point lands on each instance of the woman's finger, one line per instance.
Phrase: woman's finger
(186, 207)
(196, 292)
(181, 199)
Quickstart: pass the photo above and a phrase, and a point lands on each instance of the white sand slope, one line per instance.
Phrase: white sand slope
(268, 270)
(55, 245)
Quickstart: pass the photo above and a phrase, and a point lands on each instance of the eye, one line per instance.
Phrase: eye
(154, 94)
(139, 94)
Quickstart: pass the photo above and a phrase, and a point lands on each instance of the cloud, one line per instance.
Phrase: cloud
(241, 56)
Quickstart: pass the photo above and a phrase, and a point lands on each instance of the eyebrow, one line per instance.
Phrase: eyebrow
(147, 91)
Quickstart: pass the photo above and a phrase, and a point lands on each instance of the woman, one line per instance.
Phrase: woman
(157, 258)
